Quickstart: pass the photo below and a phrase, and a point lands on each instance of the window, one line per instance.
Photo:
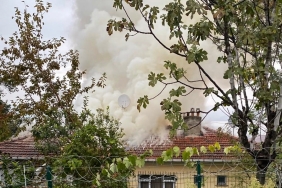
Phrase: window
(221, 180)
(157, 181)
(196, 180)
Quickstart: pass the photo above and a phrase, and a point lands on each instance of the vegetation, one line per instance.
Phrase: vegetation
(8, 126)
(254, 183)
(91, 149)
(13, 172)
(49, 83)
(247, 35)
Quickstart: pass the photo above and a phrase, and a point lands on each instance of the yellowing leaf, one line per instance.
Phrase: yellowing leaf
(113, 168)
(217, 146)
(226, 150)
(195, 151)
(211, 148)
(176, 151)
(203, 149)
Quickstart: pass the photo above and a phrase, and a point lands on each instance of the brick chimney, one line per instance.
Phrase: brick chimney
(193, 122)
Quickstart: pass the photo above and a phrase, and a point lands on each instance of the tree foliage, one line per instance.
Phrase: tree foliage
(48, 81)
(90, 151)
(8, 126)
(247, 35)
(13, 172)
(73, 141)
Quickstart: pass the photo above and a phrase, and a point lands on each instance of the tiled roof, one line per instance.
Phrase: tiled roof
(24, 147)
(20, 148)
(209, 137)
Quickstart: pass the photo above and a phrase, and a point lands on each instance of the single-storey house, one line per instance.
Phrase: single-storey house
(217, 168)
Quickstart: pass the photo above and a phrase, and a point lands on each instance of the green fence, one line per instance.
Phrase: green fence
(18, 174)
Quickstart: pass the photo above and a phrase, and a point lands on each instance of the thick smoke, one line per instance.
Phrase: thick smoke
(127, 65)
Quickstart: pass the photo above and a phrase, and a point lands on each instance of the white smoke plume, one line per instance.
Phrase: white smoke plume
(127, 65)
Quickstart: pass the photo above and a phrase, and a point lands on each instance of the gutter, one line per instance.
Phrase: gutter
(194, 160)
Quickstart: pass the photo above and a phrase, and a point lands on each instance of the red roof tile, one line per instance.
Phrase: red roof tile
(21, 148)
(24, 147)
(209, 137)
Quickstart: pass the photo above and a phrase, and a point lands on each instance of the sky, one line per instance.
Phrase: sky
(57, 22)
(127, 64)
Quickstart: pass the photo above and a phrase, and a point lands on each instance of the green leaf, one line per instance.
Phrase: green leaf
(176, 151)
(74, 164)
(126, 162)
(121, 166)
(160, 160)
(132, 159)
(97, 182)
(167, 155)
(208, 91)
(178, 92)
(153, 16)
(190, 57)
(140, 162)
(145, 7)
(154, 79)
(106, 173)
(118, 160)
(142, 102)
(113, 168)
(187, 153)
(228, 73)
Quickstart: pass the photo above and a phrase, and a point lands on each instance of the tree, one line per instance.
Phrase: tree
(12, 172)
(50, 83)
(247, 35)
(8, 126)
(47, 80)
(91, 149)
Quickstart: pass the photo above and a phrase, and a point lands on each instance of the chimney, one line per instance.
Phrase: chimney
(193, 123)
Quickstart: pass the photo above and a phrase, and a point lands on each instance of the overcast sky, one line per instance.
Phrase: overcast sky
(57, 22)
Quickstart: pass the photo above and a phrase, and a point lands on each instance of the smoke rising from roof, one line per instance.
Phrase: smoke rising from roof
(127, 65)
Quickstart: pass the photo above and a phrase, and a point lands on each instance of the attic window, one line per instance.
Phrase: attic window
(221, 180)
(157, 181)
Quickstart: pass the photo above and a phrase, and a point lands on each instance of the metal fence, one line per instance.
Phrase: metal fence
(153, 179)
(203, 174)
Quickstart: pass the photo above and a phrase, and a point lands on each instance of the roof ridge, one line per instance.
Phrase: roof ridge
(209, 129)
(14, 139)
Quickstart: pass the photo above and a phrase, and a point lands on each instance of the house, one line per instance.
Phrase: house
(20, 148)
(21, 160)
(217, 169)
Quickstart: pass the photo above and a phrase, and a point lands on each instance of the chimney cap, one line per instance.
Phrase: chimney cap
(192, 110)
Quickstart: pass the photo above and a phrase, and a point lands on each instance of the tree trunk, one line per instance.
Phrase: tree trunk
(278, 178)
(261, 175)
(263, 163)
